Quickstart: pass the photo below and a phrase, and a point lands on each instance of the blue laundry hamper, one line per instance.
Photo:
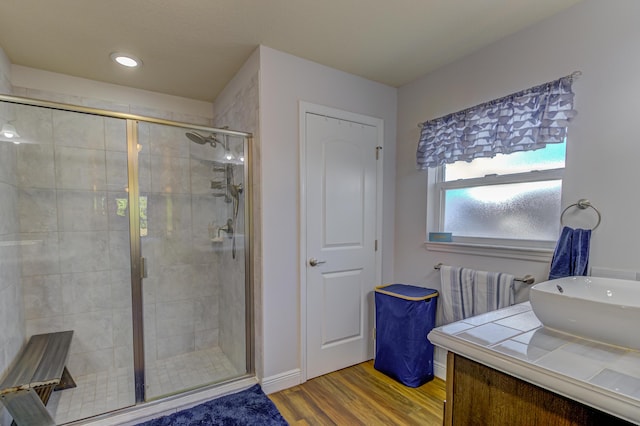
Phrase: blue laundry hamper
(405, 314)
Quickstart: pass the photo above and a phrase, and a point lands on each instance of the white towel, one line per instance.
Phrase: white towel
(467, 292)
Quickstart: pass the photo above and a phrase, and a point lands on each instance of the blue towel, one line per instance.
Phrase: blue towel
(571, 256)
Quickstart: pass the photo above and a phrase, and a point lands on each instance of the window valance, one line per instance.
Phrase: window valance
(522, 121)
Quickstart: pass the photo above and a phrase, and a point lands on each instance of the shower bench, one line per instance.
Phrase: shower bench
(39, 370)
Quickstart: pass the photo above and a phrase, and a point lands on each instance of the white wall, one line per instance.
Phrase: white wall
(284, 81)
(594, 37)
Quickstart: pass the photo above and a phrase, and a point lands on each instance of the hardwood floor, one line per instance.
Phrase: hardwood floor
(361, 395)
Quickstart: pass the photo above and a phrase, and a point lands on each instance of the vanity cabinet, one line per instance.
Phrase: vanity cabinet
(505, 368)
(479, 395)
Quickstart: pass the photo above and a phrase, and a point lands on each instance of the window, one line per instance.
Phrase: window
(496, 169)
(507, 200)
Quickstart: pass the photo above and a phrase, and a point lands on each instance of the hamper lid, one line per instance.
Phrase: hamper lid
(406, 291)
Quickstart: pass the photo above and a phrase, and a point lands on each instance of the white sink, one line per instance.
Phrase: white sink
(602, 309)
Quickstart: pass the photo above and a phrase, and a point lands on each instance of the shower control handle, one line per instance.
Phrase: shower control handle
(316, 262)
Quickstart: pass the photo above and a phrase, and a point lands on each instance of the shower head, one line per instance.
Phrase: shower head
(201, 140)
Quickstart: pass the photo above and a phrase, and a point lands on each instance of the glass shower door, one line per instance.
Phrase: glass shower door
(64, 181)
(192, 217)
(83, 196)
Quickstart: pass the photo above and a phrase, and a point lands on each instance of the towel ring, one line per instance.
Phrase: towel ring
(581, 204)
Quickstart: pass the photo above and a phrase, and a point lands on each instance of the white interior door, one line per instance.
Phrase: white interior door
(340, 196)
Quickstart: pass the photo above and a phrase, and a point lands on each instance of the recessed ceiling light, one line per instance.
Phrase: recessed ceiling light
(126, 60)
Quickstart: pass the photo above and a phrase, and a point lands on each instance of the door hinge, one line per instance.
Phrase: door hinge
(378, 148)
(376, 246)
(373, 333)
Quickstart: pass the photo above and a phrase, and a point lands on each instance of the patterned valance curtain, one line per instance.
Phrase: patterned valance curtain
(522, 121)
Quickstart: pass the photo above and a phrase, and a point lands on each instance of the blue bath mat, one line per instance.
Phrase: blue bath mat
(249, 407)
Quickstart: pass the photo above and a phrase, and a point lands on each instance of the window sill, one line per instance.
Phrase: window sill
(534, 254)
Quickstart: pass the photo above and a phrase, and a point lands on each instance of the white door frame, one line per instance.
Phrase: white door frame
(304, 108)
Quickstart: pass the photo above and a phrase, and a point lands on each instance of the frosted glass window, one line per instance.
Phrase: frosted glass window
(506, 200)
(528, 211)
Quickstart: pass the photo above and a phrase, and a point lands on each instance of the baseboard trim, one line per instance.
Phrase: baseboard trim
(440, 370)
(281, 381)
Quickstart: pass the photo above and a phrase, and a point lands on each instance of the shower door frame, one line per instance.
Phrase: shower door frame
(137, 261)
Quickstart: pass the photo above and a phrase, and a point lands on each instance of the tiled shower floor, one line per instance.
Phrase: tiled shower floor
(107, 391)
(94, 394)
(187, 371)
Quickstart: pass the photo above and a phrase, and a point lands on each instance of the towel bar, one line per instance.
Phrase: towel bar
(527, 279)
(582, 204)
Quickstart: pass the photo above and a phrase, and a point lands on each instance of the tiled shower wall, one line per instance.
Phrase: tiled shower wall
(75, 252)
(242, 113)
(12, 330)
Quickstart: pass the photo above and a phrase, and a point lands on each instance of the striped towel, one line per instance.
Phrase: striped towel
(467, 292)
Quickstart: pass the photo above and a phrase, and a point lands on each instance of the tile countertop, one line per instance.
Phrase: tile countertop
(513, 340)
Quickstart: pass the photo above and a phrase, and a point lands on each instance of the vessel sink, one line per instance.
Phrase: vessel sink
(606, 310)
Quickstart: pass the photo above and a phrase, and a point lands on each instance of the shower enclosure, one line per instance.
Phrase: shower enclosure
(133, 232)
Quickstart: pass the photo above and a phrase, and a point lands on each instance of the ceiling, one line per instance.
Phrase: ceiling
(192, 48)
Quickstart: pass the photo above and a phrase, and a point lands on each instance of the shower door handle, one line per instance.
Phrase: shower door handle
(316, 262)
(143, 267)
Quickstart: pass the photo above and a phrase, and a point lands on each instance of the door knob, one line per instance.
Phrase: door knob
(316, 262)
